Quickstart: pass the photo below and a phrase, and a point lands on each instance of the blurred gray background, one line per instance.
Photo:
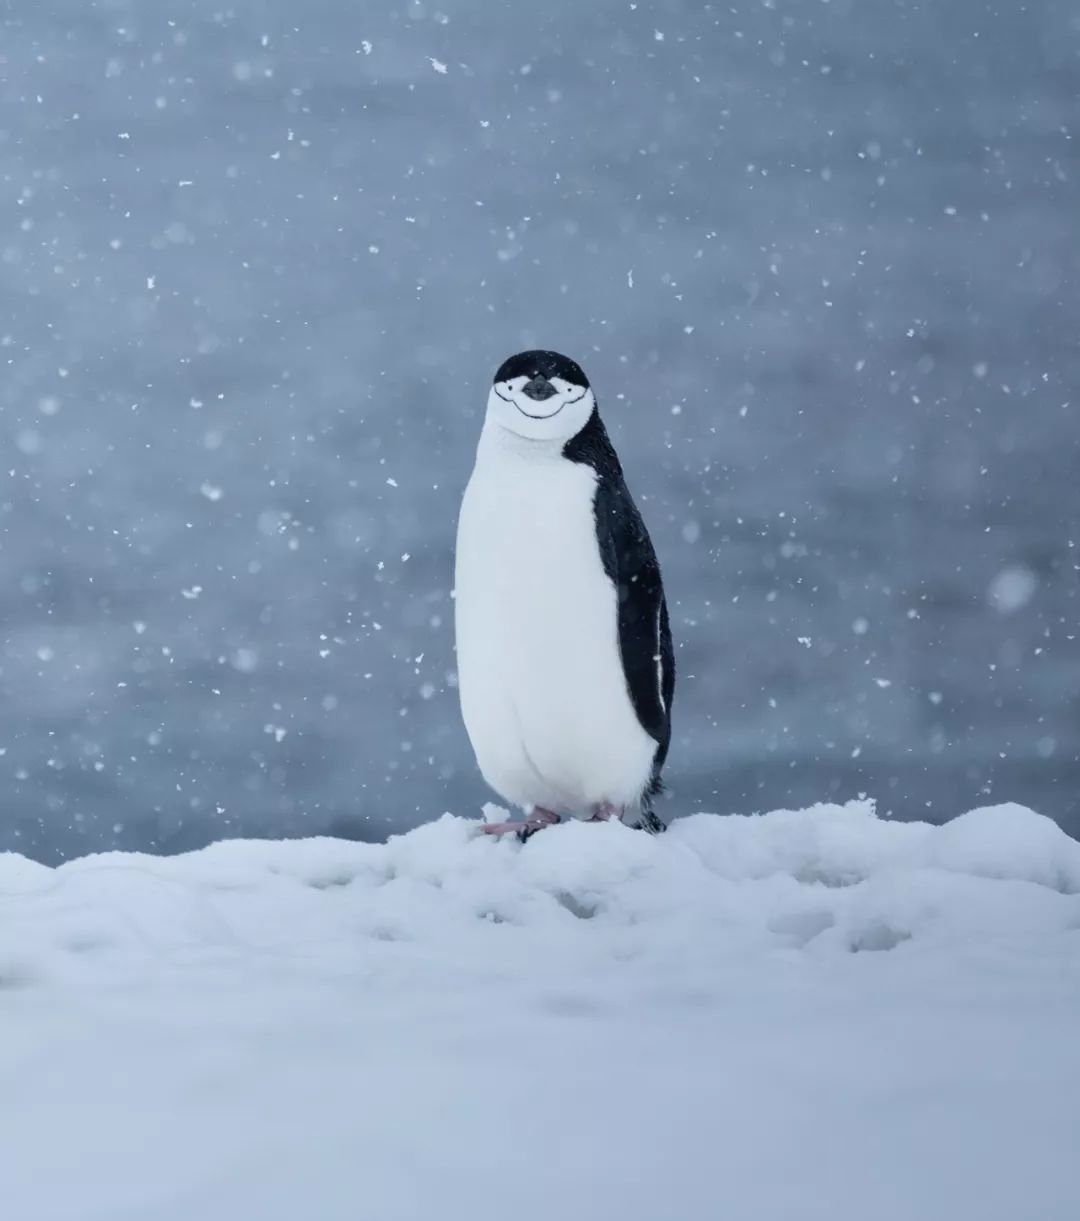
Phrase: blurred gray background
(259, 260)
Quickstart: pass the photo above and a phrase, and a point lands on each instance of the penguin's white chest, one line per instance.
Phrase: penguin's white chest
(543, 693)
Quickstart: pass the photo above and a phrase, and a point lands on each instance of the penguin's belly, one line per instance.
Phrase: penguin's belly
(543, 693)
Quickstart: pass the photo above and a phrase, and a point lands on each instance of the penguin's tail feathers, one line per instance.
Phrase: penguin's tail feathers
(648, 819)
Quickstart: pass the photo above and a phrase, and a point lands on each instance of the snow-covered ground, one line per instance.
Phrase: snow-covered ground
(804, 1015)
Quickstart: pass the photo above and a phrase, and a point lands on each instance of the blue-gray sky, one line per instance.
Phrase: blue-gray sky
(258, 263)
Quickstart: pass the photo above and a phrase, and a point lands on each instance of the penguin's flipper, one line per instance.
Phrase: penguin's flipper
(629, 560)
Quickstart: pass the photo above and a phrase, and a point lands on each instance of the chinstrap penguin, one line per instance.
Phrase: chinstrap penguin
(565, 664)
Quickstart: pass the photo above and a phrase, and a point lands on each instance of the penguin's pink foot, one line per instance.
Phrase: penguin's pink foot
(523, 827)
(604, 811)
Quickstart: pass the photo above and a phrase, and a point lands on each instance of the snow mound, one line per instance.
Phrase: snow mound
(709, 1022)
(829, 877)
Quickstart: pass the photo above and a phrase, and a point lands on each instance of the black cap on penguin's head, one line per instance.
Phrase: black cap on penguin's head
(542, 363)
(541, 395)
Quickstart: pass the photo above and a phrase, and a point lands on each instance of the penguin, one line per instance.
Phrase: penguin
(566, 671)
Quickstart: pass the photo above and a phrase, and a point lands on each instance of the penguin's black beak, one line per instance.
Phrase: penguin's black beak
(539, 388)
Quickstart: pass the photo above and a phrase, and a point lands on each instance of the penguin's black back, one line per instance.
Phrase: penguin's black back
(630, 563)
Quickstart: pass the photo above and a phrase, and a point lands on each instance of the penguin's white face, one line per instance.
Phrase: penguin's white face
(557, 417)
(541, 396)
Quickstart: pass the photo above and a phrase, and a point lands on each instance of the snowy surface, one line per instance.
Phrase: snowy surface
(812, 1014)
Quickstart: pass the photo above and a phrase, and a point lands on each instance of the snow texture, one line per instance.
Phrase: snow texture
(816, 1014)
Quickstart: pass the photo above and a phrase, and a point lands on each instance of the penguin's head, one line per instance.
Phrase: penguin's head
(541, 396)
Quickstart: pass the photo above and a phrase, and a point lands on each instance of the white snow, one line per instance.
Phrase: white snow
(1012, 588)
(803, 1015)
